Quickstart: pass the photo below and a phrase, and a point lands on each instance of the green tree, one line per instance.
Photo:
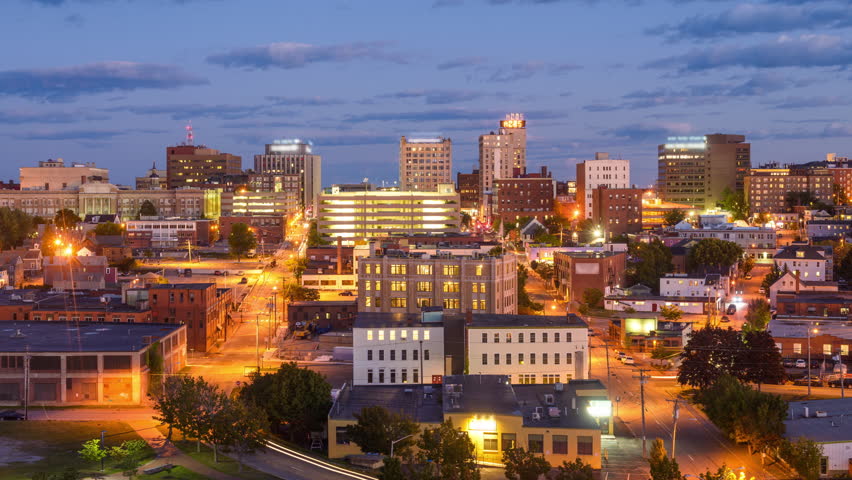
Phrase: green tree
(735, 203)
(525, 303)
(241, 240)
(292, 396)
(673, 217)
(712, 252)
(297, 265)
(746, 265)
(576, 470)
(147, 209)
(648, 263)
(774, 274)
(93, 451)
(804, 455)
(545, 271)
(293, 292)
(128, 455)
(125, 266)
(592, 297)
(465, 220)
(662, 467)
(108, 228)
(521, 464)
(496, 251)
(450, 450)
(65, 219)
(377, 427)
(709, 353)
(392, 470)
(761, 361)
(15, 227)
(723, 473)
(154, 361)
(241, 428)
(758, 315)
(660, 352)
(314, 237)
(671, 313)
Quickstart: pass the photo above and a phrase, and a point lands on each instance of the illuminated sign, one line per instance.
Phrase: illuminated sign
(482, 424)
(513, 123)
(600, 408)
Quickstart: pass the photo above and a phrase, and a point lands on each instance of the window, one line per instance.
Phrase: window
(393, 355)
(451, 287)
(426, 335)
(484, 337)
(544, 359)
(381, 355)
(342, 436)
(369, 355)
(489, 441)
(478, 304)
(532, 359)
(424, 302)
(826, 349)
(536, 443)
(844, 349)
(424, 286)
(544, 337)
(378, 285)
(368, 301)
(568, 336)
(509, 441)
(496, 359)
(532, 337)
(399, 302)
(485, 359)
(797, 348)
(509, 337)
(381, 335)
(568, 359)
(381, 375)
(560, 444)
(392, 334)
(496, 338)
(425, 354)
(479, 270)
(520, 338)
(403, 335)
(424, 269)
(823, 465)
(584, 445)
(416, 375)
(556, 337)
(368, 269)
(451, 270)
(451, 303)
(404, 373)
(520, 359)
(556, 359)
(399, 269)
(550, 378)
(393, 375)
(508, 359)
(414, 354)
(398, 286)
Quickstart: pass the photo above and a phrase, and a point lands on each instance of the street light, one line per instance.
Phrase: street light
(394, 442)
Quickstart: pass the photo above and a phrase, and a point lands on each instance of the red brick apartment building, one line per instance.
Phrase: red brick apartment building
(525, 195)
(617, 211)
(577, 271)
(204, 309)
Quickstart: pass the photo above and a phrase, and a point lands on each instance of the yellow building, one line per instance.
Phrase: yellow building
(654, 211)
(562, 421)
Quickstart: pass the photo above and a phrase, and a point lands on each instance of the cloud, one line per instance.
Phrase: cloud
(793, 103)
(462, 62)
(190, 111)
(519, 71)
(353, 140)
(786, 51)
(65, 83)
(305, 101)
(18, 118)
(434, 96)
(755, 18)
(288, 55)
(425, 116)
(88, 135)
(656, 131)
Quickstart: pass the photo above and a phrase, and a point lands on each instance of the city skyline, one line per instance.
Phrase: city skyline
(353, 79)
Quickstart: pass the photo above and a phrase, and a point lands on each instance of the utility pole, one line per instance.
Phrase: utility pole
(103, 447)
(256, 342)
(27, 384)
(642, 401)
(675, 414)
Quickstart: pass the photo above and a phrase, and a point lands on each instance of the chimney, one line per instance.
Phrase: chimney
(468, 316)
(372, 249)
(339, 256)
(796, 274)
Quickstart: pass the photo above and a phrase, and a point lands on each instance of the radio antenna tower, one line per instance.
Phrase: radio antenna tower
(190, 138)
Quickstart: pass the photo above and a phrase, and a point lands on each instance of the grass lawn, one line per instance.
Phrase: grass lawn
(30, 447)
(177, 473)
(225, 464)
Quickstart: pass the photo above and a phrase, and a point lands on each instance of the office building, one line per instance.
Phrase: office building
(696, 170)
(53, 175)
(170, 233)
(600, 172)
(467, 185)
(617, 211)
(54, 364)
(194, 165)
(767, 186)
(523, 195)
(529, 349)
(358, 215)
(404, 283)
(293, 157)
(502, 153)
(425, 162)
(265, 203)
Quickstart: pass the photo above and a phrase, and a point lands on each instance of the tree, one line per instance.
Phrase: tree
(712, 252)
(15, 227)
(465, 220)
(451, 451)
(723, 473)
(735, 203)
(154, 360)
(48, 241)
(174, 403)
(660, 352)
(804, 455)
(93, 451)
(662, 467)
(108, 228)
(521, 464)
(761, 361)
(671, 313)
(758, 316)
(673, 217)
(377, 427)
(314, 237)
(746, 265)
(774, 274)
(241, 240)
(70, 473)
(297, 265)
(648, 262)
(576, 470)
(241, 427)
(125, 266)
(524, 301)
(211, 404)
(293, 292)
(496, 251)
(392, 470)
(592, 297)
(147, 209)
(65, 219)
(545, 271)
(128, 455)
(296, 397)
(709, 353)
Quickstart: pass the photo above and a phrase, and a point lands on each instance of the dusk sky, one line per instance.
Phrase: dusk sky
(115, 81)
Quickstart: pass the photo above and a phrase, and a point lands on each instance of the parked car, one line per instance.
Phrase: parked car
(847, 382)
(813, 380)
(789, 363)
(801, 363)
(346, 294)
(241, 273)
(218, 273)
(8, 415)
(620, 355)
(732, 309)
(725, 320)
(748, 276)
(244, 280)
(628, 361)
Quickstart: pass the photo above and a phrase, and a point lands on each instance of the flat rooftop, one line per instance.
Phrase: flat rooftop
(834, 426)
(393, 320)
(422, 403)
(484, 320)
(178, 286)
(35, 337)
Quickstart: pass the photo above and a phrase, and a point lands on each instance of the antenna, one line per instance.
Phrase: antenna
(190, 138)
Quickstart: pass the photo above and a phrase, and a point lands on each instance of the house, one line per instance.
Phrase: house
(12, 265)
(578, 271)
(78, 273)
(112, 247)
(790, 283)
(644, 332)
(530, 229)
(811, 263)
(683, 285)
(33, 262)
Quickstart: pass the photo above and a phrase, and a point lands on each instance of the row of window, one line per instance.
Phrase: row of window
(415, 374)
(545, 336)
(402, 269)
(75, 318)
(827, 349)
(532, 357)
(403, 335)
(403, 355)
(402, 302)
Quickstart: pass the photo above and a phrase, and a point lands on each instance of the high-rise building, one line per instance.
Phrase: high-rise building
(467, 186)
(501, 154)
(600, 172)
(524, 195)
(193, 165)
(696, 170)
(425, 162)
(767, 186)
(289, 157)
(618, 211)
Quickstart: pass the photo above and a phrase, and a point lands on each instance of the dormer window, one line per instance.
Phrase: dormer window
(800, 254)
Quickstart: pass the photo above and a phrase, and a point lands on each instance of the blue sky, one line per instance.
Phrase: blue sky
(115, 81)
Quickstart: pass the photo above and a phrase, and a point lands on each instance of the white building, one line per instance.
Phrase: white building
(759, 242)
(394, 349)
(826, 422)
(810, 263)
(788, 283)
(529, 349)
(600, 172)
(293, 157)
(425, 162)
(640, 299)
(501, 153)
(683, 285)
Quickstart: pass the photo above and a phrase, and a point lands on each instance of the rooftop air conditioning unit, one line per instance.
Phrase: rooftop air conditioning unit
(548, 399)
(821, 413)
(536, 416)
(558, 386)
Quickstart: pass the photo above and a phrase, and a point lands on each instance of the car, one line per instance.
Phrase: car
(8, 415)
(761, 290)
(801, 363)
(628, 360)
(620, 355)
(788, 363)
(725, 320)
(187, 272)
(847, 382)
(813, 381)
(244, 280)
(241, 273)
(218, 273)
(732, 309)
(748, 276)
(346, 294)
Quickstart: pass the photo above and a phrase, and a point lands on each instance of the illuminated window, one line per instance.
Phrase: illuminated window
(398, 286)
(424, 302)
(415, 336)
(451, 303)
(424, 269)
(400, 269)
(489, 441)
(392, 335)
(369, 334)
(424, 286)
(479, 270)
(451, 287)
(368, 301)
(368, 285)
(451, 270)
(399, 302)
(426, 335)
(381, 335)
(368, 268)
(378, 285)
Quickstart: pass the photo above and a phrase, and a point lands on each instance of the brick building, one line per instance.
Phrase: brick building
(204, 309)
(337, 315)
(192, 165)
(467, 186)
(578, 271)
(524, 195)
(767, 186)
(617, 210)
(272, 229)
(827, 337)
